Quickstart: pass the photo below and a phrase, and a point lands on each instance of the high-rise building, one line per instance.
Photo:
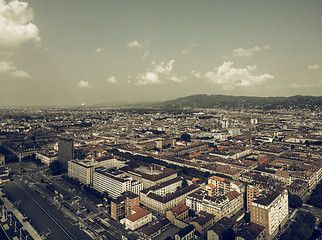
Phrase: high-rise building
(65, 150)
(121, 206)
(270, 211)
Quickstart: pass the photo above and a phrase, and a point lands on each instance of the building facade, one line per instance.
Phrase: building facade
(81, 170)
(65, 151)
(270, 210)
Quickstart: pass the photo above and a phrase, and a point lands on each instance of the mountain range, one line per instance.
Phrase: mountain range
(241, 102)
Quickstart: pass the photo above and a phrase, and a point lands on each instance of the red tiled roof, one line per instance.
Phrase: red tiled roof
(232, 195)
(140, 212)
(211, 185)
(179, 209)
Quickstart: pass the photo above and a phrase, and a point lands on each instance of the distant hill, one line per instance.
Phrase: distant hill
(239, 102)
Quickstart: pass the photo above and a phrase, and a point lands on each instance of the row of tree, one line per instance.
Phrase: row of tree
(301, 229)
(316, 196)
(193, 172)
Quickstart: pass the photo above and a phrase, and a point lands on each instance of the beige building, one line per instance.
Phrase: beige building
(162, 204)
(150, 174)
(222, 186)
(138, 218)
(111, 181)
(121, 207)
(220, 206)
(203, 222)
(252, 191)
(270, 210)
(178, 215)
(81, 170)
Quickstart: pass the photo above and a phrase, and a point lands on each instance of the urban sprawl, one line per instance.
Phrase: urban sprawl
(107, 173)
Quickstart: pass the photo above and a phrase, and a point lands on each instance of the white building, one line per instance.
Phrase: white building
(137, 219)
(111, 181)
(81, 170)
(270, 210)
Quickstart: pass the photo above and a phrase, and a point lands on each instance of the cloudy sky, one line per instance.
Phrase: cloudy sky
(98, 51)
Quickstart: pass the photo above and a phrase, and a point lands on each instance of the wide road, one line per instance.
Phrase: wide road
(45, 217)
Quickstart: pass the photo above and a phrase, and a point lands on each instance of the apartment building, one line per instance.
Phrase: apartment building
(219, 206)
(178, 215)
(138, 218)
(270, 210)
(81, 170)
(122, 206)
(111, 181)
(149, 174)
(162, 204)
(252, 191)
(222, 186)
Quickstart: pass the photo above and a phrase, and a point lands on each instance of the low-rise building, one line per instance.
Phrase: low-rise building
(203, 222)
(155, 230)
(250, 231)
(223, 225)
(138, 218)
(178, 215)
(186, 233)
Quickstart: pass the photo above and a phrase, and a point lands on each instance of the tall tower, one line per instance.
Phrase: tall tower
(65, 151)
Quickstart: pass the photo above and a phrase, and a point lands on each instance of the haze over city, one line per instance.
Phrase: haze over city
(72, 52)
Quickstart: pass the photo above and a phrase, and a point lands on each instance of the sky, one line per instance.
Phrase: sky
(66, 53)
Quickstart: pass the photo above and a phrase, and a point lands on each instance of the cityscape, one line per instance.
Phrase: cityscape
(160, 120)
(148, 173)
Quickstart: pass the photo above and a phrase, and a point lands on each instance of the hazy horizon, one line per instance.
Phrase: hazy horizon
(65, 53)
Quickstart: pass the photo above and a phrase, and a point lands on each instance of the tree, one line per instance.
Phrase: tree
(229, 234)
(191, 213)
(184, 183)
(55, 168)
(185, 137)
(247, 217)
(294, 201)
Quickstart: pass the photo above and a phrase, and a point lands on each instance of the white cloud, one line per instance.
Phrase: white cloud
(141, 47)
(98, 50)
(112, 80)
(159, 74)
(84, 84)
(148, 78)
(193, 44)
(6, 66)
(241, 52)
(9, 68)
(229, 77)
(177, 79)
(185, 51)
(196, 74)
(15, 24)
(134, 44)
(20, 74)
(313, 67)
